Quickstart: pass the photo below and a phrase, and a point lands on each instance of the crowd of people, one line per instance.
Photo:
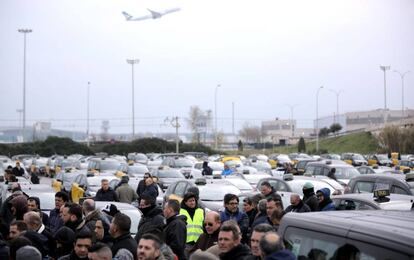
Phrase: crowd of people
(178, 230)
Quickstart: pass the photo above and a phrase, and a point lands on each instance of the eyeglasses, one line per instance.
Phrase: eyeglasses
(146, 177)
(208, 224)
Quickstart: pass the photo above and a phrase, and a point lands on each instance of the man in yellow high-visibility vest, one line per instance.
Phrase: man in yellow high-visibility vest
(195, 218)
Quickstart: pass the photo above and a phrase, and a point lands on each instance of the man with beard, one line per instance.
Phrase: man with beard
(102, 233)
(83, 242)
(119, 230)
(149, 248)
(209, 238)
(229, 242)
(231, 212)
(72, 218)
(309, 197)
(152, 220)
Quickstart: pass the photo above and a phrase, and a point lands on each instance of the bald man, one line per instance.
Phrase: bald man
(209, 238)
(297, 205)
(92, 214)
(272, 248)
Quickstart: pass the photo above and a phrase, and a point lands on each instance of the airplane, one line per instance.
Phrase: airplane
(153, 15)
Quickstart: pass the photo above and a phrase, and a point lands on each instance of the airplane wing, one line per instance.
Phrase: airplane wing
(154, 14)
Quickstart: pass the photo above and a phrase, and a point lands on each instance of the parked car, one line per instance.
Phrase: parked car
(362, 234)
(354, 159)
(395, 183)
(343, 172)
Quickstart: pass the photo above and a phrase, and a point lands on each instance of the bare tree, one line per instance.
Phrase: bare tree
(251, 133)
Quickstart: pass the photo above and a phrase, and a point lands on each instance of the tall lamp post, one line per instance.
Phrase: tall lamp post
(337, 103)
(317, 116)
(385, 68)
(215, 116)
(25, 32)
(291, 118)
(87, 114)
(402, 75)
(133, 62)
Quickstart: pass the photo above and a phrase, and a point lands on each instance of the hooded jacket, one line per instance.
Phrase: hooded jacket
(240, 252)
(152, 222)
(326, 204)
(176, 235)
(310, 199)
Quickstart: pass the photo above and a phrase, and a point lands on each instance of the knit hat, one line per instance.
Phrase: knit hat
(65, 235)
(308, 185)
(188, 196)
(110, 209)
(28, 252)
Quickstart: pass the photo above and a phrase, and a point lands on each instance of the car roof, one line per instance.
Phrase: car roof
(394, 226)
(120, 205)
(395, 201)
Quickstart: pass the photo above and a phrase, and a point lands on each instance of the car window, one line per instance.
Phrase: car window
(325, 171)
(400, 190)
(281, 186)
(180, 189)
(363, 186)
(346, 173)
(310, 169)
(304, 243)
(318, 171)
(352, 205)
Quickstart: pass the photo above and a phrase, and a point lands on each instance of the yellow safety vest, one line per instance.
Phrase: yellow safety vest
(195, 225)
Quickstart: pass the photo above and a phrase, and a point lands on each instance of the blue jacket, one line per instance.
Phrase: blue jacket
(226, 172)
(55, 222)
(240, 217)
(326, 204)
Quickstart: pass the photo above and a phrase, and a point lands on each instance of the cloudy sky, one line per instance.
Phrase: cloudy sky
(265, 54)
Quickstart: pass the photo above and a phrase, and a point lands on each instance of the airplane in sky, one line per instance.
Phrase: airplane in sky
(153, 15)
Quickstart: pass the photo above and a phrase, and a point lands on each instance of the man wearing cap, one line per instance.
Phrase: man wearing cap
(309, 197)
(124, 192)
(324, 198)
(110, 211)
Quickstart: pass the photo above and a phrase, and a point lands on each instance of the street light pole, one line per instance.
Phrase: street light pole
(337, 103)
(215, 116)
(402, 75)
(133, 62)
(291, 118)
(87, 115)
(317, 116)
(25, 32)
(385, 68)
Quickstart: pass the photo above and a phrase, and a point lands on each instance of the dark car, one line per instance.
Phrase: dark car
(366, 234)
(395, 183)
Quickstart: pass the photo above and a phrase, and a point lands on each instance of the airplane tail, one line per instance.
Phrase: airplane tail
(127, 16)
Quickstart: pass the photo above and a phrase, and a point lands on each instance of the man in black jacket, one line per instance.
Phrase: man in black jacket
(18, 170)
(296, 205)
(176, 229)
(152, 220)
(119, 230)
(229, 242)
(309, 196)
(105, 193)
(209, 238)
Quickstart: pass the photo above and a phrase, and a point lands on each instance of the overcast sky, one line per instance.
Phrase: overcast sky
(265, 54)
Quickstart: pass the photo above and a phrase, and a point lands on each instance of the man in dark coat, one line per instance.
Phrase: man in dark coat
(309, 197)
(272, 248)
(206, 169)
(152, 220)
(232, 212)
(72, 217)
(55, 221)
(209, 238)
(296, 205)
(119, 230)
(176, 229)
(18, 170)
(229, 242)
(33, 204)
(267, 191)
(105, 193)
(83, 242)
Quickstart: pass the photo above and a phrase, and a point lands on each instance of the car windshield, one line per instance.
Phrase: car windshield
(109, 165)
(216, 193)
(69, 163)
(346, 173)
(170, 174)
(183, 162)
(240, 183)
